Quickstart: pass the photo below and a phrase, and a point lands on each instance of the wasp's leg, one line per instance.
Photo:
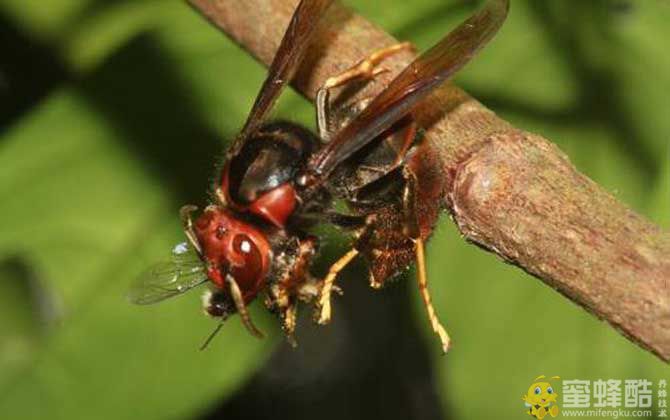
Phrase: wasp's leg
(187, 223)
(323, 305)
(413, 231)
(364, 69)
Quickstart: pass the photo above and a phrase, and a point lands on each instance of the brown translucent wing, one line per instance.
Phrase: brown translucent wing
(287, 59)
(182, 272)
(414, 83)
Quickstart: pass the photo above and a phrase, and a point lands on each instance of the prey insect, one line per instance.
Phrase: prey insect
(278, 180)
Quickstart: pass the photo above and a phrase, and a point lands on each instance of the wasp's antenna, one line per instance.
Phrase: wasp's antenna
(187, 222)
(241, 307)
(211, 336)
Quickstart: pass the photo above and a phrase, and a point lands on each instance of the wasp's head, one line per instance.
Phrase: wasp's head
(233, 247)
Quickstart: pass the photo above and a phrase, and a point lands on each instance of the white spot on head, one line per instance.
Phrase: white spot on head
(245, 247)
(180, 248)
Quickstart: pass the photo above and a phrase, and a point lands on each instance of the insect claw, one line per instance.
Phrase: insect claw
(379, 70)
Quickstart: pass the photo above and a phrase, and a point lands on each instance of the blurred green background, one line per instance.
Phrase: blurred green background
(111, 116)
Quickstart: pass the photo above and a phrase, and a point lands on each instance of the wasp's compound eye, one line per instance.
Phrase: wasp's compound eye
(247, 274)
(538, 391)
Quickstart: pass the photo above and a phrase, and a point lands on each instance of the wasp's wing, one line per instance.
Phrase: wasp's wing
(413, 84)
(287, 59)
(181, 273)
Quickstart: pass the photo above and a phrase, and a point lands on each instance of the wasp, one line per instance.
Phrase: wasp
(277, 180)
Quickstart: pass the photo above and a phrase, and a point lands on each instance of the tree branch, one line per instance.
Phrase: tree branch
(511, 192)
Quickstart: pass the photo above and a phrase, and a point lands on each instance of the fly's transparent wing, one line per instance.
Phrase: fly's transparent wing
(182, 272)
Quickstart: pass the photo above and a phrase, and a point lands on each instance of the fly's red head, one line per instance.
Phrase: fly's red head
(231, 246)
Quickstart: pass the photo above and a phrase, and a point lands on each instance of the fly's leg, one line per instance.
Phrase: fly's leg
(187, 223)
(364, 69)
(323, 305)
(413, 231)
(289, 321)
(278, 300)
(311, 289)
(283, 296)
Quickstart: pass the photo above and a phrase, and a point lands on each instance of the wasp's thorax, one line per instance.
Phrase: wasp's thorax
(231, 246)
(259, 178)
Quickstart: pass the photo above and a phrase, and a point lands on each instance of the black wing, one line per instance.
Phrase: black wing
(181, 273)
(286, 61)
(413, 84)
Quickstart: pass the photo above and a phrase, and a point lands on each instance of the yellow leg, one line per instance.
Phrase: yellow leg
(290, 315)
(366, 68)
(324, 297)
(425, 295)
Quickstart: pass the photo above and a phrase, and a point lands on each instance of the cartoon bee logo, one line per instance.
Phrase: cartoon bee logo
(540, 399)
